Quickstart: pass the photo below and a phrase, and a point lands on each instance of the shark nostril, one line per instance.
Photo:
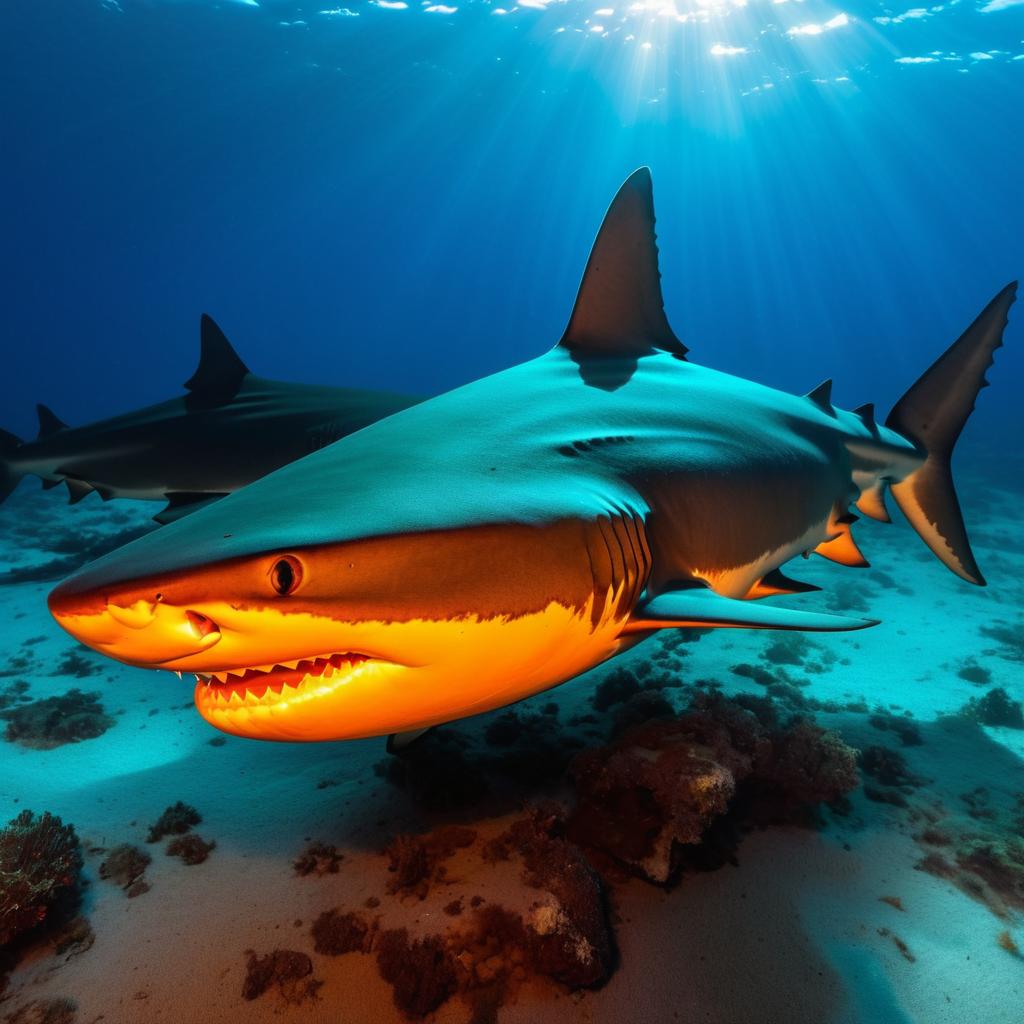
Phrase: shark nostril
(202, 625)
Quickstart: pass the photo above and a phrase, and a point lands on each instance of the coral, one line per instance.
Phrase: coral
(888, 767)
(808, 765)
(641, 707)
(753, 672)
(987, 868)
(124, 865)
(318, 859)
(1010, 639)
(15, 693)
(54, 721)
(177, 819)
(285, 970)
(421, 971)
(975, 673)
(788, 649)
(649, 791)
(40, 862)
(995, 708)
(503, 730)
(74, 937)
(571, 940)
(436, 772)
(335, 933)
(905, 728)
(192, 849)
(74, 663)
(415, 861)
(661, 785)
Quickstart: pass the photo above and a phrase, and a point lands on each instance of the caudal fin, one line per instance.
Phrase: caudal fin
(9, 476)
(932, 414)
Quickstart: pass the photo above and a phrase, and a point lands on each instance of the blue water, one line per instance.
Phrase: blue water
(402, 195)
(395, 196)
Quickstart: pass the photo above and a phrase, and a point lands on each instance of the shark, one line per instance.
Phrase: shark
(495, 541)
(230, 428)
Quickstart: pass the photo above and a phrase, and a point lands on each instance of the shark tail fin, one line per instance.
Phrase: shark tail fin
(932, 414)
(9, 476)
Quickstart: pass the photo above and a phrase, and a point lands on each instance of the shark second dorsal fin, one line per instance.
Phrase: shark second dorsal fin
(821, 396)
(49, 422)
(220, 371)
(619, 308)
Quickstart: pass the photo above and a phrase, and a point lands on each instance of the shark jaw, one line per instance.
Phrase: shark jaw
(274, 684)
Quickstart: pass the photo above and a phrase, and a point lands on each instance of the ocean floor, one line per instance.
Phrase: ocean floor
(504, 870)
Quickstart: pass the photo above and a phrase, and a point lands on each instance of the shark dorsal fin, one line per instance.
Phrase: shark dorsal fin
(619, 308)
(49, 422)
(220, 370)
(821, 396)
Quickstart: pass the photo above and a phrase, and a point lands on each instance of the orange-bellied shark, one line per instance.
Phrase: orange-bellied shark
(499, 539)
(231, 428)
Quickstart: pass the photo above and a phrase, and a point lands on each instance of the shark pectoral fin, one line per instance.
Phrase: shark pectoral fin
(400, 742)
(181, 503)
(220, 372)
(872, 503)
(701, 607)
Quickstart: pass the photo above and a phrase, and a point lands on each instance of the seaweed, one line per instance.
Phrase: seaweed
(318, 859)
(336, 933)
(124, 866)
(421, 972)
(284, 970)
(175, 820)
(975, 673)
(995, 708)
(53, 721)
(190, 848)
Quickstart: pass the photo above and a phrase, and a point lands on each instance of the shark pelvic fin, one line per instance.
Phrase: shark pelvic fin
(220, 371)
(49, 422)
(702, 607)
(619, 308)
(77, 490)
(843, 550)
(399, 742)
(932, 414)
(872, 503)
(776, 582)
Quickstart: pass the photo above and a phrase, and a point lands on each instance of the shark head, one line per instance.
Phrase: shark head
(342, 639)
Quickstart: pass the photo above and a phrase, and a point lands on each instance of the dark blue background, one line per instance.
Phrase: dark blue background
(407, 201)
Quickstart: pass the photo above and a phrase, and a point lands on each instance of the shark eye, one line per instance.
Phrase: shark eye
(285, 575)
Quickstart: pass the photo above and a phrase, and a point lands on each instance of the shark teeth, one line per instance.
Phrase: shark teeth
(266, 685)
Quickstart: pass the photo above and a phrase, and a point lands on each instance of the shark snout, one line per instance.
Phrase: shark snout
(139, 631)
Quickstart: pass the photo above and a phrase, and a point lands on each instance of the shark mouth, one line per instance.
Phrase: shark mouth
(270, 684)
